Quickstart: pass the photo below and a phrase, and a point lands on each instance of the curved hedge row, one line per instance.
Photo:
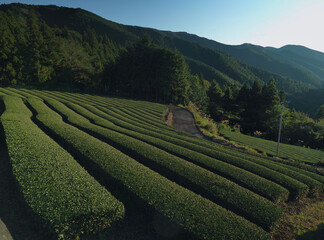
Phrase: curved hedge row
(313, 181)
(314, 185)
(253, 182)
(262, 186)
(68, 200)
(222, 191)
(63, 97)
(6, 91)
(197, 215)
(155, 108)
(129, 113)
(286, 150)
(305, 177)
(267, 160)
(218, 147)
(296, 188)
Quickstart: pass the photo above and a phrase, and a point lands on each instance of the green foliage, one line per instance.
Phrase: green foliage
(294, 62)
(295, 153)
(154, 159)
(69, 201)
(34, 53)
(149, 72)
(303, 130)
(195, 214)
(320, 112)
(169, 143)
(308, 102)
(257, 110)
(282, 95)
(216, 94)
(257, 209)
(203, 121)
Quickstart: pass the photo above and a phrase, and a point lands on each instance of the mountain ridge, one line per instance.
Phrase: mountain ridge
(286, 60)
(208, 61)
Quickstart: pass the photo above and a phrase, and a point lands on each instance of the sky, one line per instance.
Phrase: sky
(262, 22)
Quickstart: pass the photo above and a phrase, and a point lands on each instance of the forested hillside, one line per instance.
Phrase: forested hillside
(296, 62)
(308, 102)
(70, 48)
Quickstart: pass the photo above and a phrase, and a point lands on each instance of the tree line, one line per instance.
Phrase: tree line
(256, 111)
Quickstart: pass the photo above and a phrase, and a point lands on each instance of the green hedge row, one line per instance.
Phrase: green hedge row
(144, 107)
(155, 108)
(147, 120)
(197, 215)
(312, 180)
(267, 160)
(248, 156)
(21, 93)
(232, 196)
(64, 97)
(140, 117)
(291, 171)
(8, 92)
(68, 200)
(287, 151)
(297, 188)
(253, 182)
(314, 185)
(264, 187)
(72, 97)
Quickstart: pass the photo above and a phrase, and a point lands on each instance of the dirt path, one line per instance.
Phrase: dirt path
(183, 120)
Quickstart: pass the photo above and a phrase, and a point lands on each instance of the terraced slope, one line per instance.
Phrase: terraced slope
(76, 154)
(285, 151)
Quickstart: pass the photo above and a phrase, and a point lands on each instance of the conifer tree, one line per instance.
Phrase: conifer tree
(252, 114)
(282, 95)
(271, 109)
(320, 113)
(216, 94)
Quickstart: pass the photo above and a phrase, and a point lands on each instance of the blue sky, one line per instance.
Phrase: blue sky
(262, 22)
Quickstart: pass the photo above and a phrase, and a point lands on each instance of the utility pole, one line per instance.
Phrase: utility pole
(279, 133)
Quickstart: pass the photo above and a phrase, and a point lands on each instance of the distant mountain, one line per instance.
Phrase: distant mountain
(296, 62)
(308, 102)
(224, 63)
(202, 58)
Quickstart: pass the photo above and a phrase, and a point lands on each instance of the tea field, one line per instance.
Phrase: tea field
(291, 152)
(85, 164)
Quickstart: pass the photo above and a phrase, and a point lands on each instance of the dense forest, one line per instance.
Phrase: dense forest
(71, 49)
